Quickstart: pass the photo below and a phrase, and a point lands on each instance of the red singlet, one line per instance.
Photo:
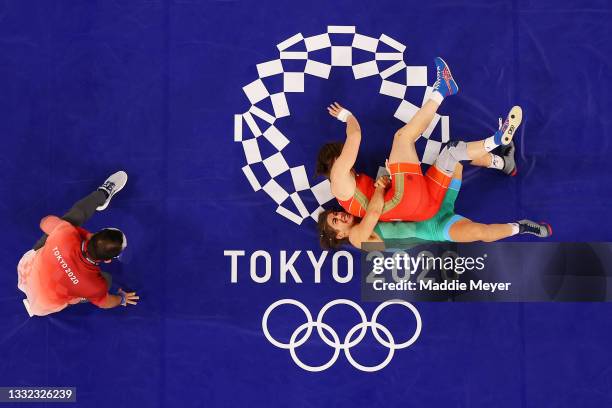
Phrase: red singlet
(412, 196)
(357, 204)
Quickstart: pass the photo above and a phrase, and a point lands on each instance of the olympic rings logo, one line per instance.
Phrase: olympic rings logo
(349, 340)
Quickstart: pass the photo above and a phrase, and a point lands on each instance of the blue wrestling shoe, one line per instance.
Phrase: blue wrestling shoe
(445, 84)
(506, 131)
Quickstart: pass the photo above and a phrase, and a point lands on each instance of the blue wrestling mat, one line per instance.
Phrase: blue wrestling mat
(216, 110)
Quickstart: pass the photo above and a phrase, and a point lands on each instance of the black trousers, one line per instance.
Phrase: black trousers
(80, 212)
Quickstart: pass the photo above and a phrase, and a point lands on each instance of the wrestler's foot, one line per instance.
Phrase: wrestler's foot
(507, 154)
(505, 133)
(445, 85)
(113, 184)
(539, 229)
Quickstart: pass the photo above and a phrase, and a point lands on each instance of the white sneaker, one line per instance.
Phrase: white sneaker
(27, 306)
(113, 184)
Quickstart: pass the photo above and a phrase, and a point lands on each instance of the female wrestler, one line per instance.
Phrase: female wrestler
(337, 227)
(412, 196)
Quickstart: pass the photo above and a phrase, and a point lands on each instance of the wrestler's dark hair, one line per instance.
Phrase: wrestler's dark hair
(105, 244)
(327, 156)
(327, 235)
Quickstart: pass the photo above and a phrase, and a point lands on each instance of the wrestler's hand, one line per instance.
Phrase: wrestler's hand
(340, 113)
(130, 297)
(383, 182)
(334, 109)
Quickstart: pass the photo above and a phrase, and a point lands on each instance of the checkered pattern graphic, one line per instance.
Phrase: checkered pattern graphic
(291, 198)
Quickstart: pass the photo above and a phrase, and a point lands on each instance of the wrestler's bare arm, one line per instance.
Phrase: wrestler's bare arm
(342, 182)
(364, 231)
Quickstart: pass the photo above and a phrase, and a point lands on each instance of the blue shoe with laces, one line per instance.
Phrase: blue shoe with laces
(445, 84)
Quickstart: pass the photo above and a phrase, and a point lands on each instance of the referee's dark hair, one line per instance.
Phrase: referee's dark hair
(105, 245)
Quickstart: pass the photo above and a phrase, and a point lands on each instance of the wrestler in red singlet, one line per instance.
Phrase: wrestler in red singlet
(412, 196)
(357, 204)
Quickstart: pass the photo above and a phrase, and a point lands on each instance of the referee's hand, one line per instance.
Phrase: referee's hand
(130, 297)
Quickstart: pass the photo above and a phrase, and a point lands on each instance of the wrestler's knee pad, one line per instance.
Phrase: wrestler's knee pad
(453, 153)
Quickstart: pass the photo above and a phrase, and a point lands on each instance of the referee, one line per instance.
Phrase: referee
(63, 267)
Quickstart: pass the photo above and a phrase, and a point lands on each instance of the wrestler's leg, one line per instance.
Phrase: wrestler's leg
(458, 173)
(469, 231)
(402, 150)
(487, 160)
(455, 152)
(465, 230)
(505, 161)
(502, 137)
(462, 151)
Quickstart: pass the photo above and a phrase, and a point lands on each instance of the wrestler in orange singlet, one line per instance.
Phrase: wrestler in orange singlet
(412, 196)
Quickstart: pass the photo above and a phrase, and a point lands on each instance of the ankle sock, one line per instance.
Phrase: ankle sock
(516, 228)
(436, 97)
(490, 143)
